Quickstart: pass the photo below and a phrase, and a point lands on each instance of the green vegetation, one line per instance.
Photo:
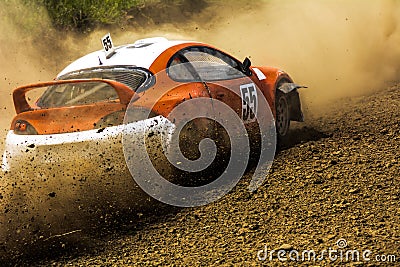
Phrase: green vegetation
(81, 14)
(85, 15)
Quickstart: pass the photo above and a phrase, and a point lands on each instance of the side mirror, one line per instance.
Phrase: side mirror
(246, 66)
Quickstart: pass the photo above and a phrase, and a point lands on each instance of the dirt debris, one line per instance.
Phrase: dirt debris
(337, 181)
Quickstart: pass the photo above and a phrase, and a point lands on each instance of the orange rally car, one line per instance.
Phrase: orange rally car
(88, 100)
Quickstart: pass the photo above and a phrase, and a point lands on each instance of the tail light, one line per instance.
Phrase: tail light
(24, 127)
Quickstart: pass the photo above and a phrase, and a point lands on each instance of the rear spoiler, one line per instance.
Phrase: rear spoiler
(124, 92)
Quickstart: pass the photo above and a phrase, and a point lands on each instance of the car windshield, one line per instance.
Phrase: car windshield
(72, 94)
(203, 71)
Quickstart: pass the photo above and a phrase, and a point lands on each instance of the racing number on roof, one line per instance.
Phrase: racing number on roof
(249, 102)
(108, 45)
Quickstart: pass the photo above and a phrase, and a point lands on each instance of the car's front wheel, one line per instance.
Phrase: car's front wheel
(282, 121)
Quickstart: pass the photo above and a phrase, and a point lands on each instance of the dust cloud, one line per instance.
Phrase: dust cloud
(338, 48)
(20, 60)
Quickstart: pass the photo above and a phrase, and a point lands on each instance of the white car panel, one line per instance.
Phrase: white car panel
(139, 54)
(53, 148)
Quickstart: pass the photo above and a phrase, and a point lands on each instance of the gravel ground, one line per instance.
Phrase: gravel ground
(338, 179)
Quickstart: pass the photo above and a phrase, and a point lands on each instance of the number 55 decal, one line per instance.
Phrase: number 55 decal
(249, 102)
(108, 46)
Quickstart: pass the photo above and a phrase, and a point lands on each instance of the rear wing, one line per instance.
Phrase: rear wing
(124, 92)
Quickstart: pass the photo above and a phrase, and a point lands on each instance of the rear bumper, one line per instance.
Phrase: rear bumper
(99, 148)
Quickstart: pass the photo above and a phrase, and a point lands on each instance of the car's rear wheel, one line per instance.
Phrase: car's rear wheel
(189, 140)
(282, 121)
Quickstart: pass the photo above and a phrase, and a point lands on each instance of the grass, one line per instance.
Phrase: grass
(82, 14)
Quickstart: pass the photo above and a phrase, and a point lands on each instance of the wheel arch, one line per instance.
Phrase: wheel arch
(292, 95)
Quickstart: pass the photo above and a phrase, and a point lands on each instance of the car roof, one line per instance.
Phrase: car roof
(141, 53)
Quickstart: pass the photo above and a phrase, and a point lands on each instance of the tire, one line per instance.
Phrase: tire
(189, 140)
(282, 121)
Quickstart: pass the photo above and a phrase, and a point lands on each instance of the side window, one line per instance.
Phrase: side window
(203, 64)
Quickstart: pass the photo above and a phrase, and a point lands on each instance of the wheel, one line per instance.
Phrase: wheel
(282, 121)
(189, 139)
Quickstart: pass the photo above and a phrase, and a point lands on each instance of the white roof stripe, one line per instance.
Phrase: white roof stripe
(128, 55)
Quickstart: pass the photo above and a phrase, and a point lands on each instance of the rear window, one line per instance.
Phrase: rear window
(138, 79)
(74, 94)
(65, 95)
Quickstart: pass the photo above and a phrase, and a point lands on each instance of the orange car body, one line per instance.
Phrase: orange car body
(81, 117)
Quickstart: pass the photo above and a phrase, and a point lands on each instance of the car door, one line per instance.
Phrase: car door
(221, 76)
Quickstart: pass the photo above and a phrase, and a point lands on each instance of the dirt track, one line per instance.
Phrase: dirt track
(338, 179)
